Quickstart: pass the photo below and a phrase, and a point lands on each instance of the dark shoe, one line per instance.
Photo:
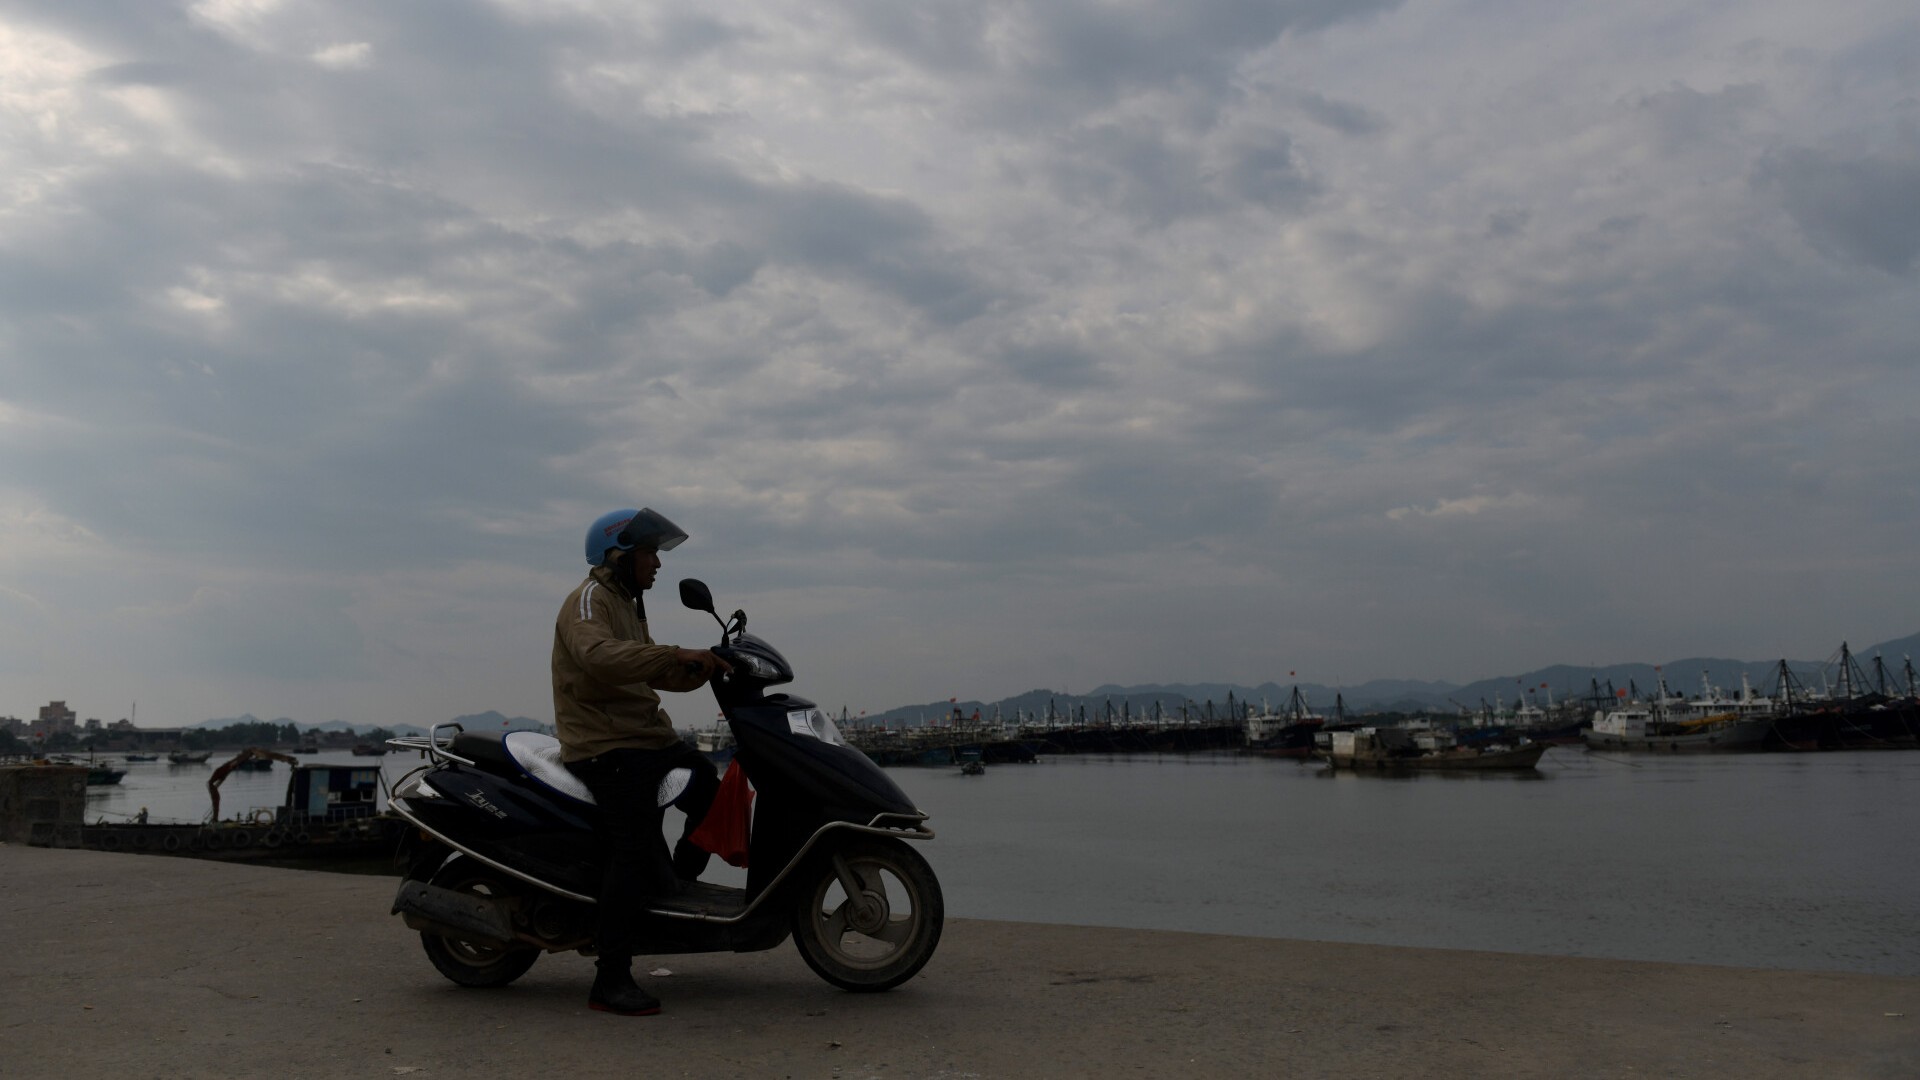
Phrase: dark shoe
(617, 993)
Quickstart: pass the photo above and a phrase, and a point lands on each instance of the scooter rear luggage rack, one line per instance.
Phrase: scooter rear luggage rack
(914, 824)
(430, 745)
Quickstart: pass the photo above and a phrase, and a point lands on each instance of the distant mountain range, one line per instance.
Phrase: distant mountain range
(486, 721)
(1558, 682)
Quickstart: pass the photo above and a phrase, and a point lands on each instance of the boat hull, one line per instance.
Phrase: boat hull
(1292, 741)
(307, 844)
(1891, 726)
(1727, 737)
(1523, 757)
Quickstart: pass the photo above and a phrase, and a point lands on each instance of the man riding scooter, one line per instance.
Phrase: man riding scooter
(607, 675)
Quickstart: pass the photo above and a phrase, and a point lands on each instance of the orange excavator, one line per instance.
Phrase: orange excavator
(251, 753)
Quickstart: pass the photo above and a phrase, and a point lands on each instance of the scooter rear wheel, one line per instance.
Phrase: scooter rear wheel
(465, 962)
(868, 913)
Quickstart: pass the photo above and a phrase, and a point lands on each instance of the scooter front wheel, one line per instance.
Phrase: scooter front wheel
(868, 913)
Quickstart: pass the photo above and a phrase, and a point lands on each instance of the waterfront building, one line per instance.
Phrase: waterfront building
(55, 718)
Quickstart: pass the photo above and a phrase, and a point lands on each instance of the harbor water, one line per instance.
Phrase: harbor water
(1801, 861)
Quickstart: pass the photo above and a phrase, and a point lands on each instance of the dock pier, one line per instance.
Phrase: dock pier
(123, 966)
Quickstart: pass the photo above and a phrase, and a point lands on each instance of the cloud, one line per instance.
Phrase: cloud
(1036, 342)
(344, 56)
(140, 73)
(1863, 207)
(247, 633)
(1468, 506)
(1345, 117)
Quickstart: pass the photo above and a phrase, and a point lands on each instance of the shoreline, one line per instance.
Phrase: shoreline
(127, 965)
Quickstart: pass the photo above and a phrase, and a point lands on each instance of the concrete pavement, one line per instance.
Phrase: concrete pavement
(121, 965)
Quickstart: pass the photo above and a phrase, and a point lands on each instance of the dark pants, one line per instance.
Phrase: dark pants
(626, 784)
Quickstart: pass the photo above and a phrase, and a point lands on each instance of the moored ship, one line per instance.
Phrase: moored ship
(1404, 749)
(1650, 729)
(1288, 733)
(1672, 724)
(1874, 720)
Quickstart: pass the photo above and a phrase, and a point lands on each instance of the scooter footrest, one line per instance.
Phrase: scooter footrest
(700, 898)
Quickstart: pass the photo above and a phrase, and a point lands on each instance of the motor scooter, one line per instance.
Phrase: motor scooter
(503, 864)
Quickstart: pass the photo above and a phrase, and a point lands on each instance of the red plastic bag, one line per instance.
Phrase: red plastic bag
(728, 825)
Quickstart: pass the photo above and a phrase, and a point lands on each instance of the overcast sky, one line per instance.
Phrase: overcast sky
(981, 345)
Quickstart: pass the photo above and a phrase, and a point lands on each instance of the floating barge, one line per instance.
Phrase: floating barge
(330, 816)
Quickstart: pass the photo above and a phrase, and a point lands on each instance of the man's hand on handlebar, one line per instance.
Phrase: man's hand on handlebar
(701, 662)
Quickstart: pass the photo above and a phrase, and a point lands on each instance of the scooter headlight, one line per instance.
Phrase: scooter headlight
(815, 723)
(758, 667)
(756, 660)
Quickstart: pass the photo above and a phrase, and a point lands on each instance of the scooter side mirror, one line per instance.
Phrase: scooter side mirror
(695, 594)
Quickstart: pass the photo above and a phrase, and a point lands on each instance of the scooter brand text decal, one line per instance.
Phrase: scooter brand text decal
(480, 801)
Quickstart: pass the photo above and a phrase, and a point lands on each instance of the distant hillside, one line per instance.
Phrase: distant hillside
(243, 718)
(486, 721)
(1558, 682)
(493, 721)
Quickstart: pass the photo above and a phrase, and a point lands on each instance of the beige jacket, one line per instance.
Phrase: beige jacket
(607, 671)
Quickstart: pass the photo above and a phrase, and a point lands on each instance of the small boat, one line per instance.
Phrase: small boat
(103, 775)
(189, 757)
(971, 763)
(1400, 749)
(98, 774)
(143, 757)
(369, 749)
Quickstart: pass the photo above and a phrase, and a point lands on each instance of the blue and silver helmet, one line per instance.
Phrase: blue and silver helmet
(627, 529)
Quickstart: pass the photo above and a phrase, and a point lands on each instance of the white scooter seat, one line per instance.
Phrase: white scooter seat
(539, 757)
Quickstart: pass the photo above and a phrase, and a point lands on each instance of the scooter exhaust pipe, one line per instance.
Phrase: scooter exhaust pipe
(464, 916)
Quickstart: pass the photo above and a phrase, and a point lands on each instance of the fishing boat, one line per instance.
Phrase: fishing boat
(1673, 725)
(1285, 734)
(1848, 719)
(1404, 749)
(189, 757)
(1652, 730)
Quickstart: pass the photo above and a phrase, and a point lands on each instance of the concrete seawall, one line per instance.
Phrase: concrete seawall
(136, 966)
